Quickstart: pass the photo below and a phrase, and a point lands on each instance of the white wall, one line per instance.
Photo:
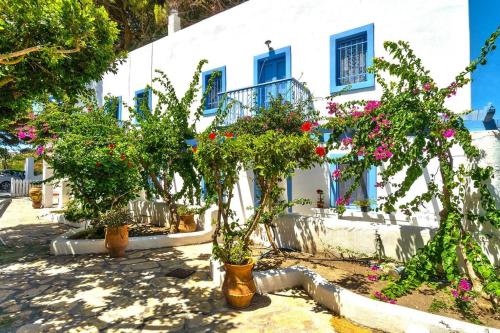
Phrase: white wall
(438, 31)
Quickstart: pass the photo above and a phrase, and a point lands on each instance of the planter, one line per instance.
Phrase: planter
(238, 286)
(116, 240)
(187, 223)
(35, 194)
(365, 209)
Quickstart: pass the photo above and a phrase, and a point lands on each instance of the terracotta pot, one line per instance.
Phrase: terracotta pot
(187, 223)
(116, 240)
(35, 194)
(238, 286)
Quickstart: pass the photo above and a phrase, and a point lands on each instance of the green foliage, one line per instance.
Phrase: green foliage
(437, 306)
(51, 47)
(75, 212)
(90, 150)
(160, 142)
(116, 217)
(401, 134)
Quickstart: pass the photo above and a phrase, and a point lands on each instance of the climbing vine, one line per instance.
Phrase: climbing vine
(410, 127)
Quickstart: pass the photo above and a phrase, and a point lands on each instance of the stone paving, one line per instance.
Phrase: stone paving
(95, 293)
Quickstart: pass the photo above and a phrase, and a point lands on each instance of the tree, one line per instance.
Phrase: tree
(160, 139)
(4, 157)
(51, 47)
(407, 129)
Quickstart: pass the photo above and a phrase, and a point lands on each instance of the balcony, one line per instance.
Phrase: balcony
(247, 101)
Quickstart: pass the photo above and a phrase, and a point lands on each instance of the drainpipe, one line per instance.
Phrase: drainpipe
(174, 22)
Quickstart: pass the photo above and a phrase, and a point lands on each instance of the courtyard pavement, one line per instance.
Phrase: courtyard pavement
(95, 293)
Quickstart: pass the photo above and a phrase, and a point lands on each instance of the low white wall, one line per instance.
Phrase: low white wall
(62, 245)
(155, 213)
(358, 232)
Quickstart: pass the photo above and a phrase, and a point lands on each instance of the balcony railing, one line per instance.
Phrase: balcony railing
(247, 101)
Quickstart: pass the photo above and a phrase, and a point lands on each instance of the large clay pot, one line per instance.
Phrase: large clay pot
(116, 240)
(238, 286)
(35, 194)
(187, 223)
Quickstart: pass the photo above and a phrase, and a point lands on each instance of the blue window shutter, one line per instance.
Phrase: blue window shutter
(203, 189)
(257, 193)
(219, 86)
(372, 190)
(289, 191)
(348, 40)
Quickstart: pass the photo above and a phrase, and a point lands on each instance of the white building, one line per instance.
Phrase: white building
(307, 39)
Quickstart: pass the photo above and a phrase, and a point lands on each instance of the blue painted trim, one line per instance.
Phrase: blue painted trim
(213, 111)
(287, 51)
(203, 189)
(120, 107)
(370, 183)
(256, 192)
(370, 53)
(192, 142)
(289, 191)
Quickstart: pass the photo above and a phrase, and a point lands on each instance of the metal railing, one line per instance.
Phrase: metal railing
(248, 101)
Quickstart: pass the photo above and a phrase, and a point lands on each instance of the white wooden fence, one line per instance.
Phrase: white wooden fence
(21, 187)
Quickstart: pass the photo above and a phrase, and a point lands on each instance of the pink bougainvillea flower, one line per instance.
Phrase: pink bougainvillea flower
(386, 123)
(427, 86)
(382, 153)
(449, 133)
(332, 108)
(346, 141)
(21, 135)
(320, 151)
(466, 298)
(464, 285)
(339, 201)
(454, 293)
(357, 114)
(372, 105)
(392, 301)
(374, 268)
(336, 173)
(377, 294)
(372, 278)
(306, 127)
(40, 150)
(361, 151)
(212, 136)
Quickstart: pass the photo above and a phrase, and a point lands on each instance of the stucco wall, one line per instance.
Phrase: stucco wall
(437, 30)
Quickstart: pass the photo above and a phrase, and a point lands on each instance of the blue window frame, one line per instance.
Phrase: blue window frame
(113, 105)
(143, 97)
(366, 190)
(219, 86)
(351, 53)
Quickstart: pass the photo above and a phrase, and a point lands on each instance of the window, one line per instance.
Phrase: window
(113, 105)
(143, 100)
(213, 97)
(351, 53)
(365, 191)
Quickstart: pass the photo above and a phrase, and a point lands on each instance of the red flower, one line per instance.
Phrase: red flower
(98, 164)
(111, 146)
(229, 135)
(123, 157)
(321, 151)
(306, 127)
(212, 136)
(194, 149)
(129, 164)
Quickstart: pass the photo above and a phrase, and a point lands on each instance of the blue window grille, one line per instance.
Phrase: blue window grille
(213, 96)
(113, 106)
(351, 53)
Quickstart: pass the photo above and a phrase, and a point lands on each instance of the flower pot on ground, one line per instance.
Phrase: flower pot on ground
(238, 286)
(35, 194)
(116, 222)
(364, 205)
(186, 214)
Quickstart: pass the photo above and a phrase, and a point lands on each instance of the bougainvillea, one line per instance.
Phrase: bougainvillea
(401, 134)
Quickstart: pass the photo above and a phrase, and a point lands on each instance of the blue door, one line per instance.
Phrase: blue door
(271, 69)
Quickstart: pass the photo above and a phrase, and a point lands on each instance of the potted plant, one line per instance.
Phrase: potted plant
(186, 215)
(238, 286)
(364, 205)
(116, 222)
(35, 194)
